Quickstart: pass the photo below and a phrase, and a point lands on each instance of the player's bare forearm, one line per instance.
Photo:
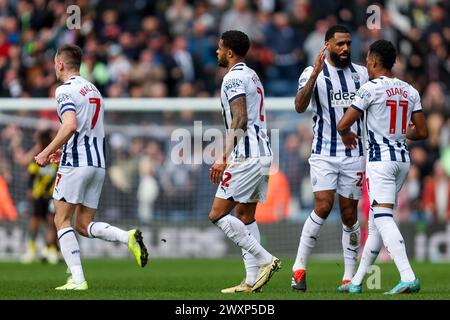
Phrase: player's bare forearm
(303, 96)
(238, 125)
(63, 135)
(65, 132)
(348, 137)
(419, 129)
(346, 122)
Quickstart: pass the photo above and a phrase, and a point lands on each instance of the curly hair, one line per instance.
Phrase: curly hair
(237, 41)
(385, 52)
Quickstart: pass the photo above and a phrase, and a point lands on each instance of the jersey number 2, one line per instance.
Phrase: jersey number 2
(95, 101)
(393, 105)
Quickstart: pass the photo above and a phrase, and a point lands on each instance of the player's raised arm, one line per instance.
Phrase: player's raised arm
(303, 96)
(65, 132)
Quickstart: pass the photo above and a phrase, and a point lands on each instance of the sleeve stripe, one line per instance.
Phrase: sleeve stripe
(68, 109)
(356, 108)
(417, 111)
(235, 97)
(68, 104)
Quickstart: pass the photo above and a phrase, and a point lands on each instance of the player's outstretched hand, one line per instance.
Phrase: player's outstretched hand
(216, 171)
(318, 64)
(55, 157)
(350, 140)
(42, 159)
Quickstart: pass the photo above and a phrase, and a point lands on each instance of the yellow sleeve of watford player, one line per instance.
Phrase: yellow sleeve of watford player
(33, 168)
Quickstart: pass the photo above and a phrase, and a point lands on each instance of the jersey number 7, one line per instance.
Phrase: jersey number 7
(95, 101)
(261, 103)
(393, 105)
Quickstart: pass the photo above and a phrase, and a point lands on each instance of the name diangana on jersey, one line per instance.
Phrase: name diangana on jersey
(388, 104)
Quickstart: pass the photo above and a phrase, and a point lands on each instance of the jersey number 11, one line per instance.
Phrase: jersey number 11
(403, 104)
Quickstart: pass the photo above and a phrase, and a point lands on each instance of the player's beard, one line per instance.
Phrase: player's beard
(338, 62)
(222, 61)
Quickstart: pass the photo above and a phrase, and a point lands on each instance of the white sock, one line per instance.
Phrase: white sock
(250, 262)
(71, 253)
(235, 230)
(351, 238)
(308, 239)
(107, 232)
(371, 250)
(393, 241)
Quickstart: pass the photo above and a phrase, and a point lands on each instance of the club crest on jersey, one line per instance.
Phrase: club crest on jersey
(355, 77)
(341, 99)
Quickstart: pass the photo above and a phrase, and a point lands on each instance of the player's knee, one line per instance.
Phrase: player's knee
(323, 208)
(349, 217)
(81, 228)
(59, 222)
(213, 216)
(244, 217)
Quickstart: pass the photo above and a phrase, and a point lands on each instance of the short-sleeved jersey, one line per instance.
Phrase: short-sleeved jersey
(389, 104)
(333, 93)
(42, 180)
(243, 81)
(87, 145)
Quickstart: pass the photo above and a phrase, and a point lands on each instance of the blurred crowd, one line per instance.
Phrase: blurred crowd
(145, 48)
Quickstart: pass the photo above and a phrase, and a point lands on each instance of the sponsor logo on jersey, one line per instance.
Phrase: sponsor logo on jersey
(62, 97)
(341, 99)
(232, 84)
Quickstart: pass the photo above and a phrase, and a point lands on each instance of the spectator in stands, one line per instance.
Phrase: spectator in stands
(179, 15)
(436, 195)
(11, 86)
(147, 191)
(409, 198)
(95, 71)
(285, 44)
(276, 206)
(141, 46)
(7, 209)
(246, 20)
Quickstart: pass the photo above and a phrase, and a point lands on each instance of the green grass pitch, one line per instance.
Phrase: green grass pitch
(192, 279)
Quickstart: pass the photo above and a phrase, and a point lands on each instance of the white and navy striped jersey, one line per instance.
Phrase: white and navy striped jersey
(87, 145)
(333, 93)
(243, 81)
(389, 104)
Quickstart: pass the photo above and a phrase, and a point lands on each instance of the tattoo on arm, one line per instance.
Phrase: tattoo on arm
(303, 96)
(238, 124)
(239, 113)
